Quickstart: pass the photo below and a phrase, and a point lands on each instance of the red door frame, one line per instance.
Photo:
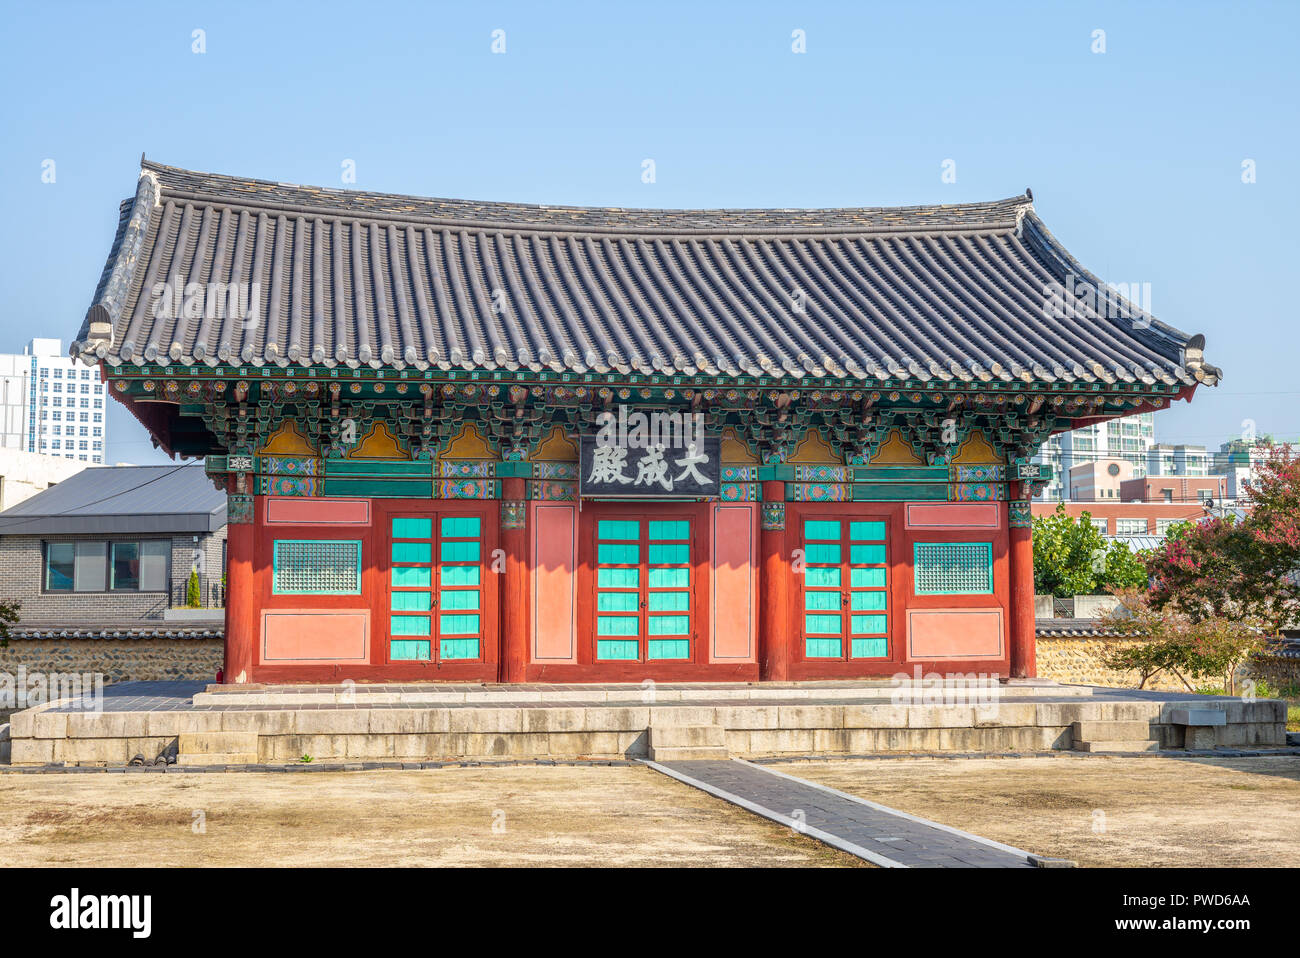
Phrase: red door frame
(375, 598)
(902, 596)
(845, 589)
(698, 668)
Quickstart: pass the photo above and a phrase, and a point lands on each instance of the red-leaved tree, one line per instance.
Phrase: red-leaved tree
(1247, 568)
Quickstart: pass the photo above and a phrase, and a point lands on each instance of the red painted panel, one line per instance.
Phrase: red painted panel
(735, 582)
(312, 637)
(292, 510)
(955, 634)
(953, 515)
(555, 555)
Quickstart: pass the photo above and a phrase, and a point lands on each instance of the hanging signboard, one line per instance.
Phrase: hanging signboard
(650, 456)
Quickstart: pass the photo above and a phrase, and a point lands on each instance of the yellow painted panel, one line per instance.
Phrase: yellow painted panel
(468, 444)
(288, 441)
(977, 451)
(555, 446)
(895, 451)
(379, 443)
(813, 450)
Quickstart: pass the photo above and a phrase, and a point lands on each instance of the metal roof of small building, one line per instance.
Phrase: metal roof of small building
(122, 500)
(369, 279)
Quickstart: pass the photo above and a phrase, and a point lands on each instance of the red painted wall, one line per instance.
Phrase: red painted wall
(903, 600)
(374, 599)
(561, 538)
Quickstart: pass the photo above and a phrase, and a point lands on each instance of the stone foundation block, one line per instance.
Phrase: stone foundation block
(762, 716)
(875, 716)
(264, 722)
(31, 751)
(617, 719)
(810, 716)
(682, 715)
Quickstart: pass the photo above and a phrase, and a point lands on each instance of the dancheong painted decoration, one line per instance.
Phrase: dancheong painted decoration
(499, 442)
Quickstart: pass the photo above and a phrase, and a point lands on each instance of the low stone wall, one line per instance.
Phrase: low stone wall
(118, 660)
(1079, 660)
(252, 736)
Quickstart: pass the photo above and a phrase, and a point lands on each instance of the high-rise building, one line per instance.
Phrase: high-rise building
(1127, 439)
(1181, 460)
(51, 404)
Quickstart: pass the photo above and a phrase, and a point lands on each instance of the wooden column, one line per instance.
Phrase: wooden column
(774, 588)
(1021, 561)
(241, 594)
(513, 657)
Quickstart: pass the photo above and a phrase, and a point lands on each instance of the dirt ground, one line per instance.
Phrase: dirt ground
(560, 815)
(1097, 811)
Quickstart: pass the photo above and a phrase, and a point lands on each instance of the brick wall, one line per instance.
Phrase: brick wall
(21, 570)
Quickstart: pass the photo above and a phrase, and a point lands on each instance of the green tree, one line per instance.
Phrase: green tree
(193, 598)
(1071, 557)
(8, 616)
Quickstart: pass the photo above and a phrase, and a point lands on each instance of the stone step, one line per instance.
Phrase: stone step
(505, 696)
(1134, 745)
(688, 736)
(1112, 731)
(217, 748)
(660, 754)
(687, 743)
(219, 758)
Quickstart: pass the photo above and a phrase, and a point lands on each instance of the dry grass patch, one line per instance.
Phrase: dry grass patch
(1098, 811)
(522, 816)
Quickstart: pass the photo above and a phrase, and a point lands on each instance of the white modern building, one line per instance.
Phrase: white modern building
(1238, 459)
(1164, 459)
(1126, 439)
(52, 405)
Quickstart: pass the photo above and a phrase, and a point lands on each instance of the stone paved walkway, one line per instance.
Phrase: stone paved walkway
(881, 835)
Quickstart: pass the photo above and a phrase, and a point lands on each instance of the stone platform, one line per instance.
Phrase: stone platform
(237, 725)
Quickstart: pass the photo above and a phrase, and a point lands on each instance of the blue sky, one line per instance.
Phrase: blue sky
(1134, 155)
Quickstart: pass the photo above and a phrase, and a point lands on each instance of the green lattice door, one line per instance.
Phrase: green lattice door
(436, 580)
(845, 588)
(643, 590)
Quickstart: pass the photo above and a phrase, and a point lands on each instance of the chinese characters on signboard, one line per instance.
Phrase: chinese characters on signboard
(638, 456)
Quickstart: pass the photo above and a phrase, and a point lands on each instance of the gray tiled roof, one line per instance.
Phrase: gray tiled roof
(370, 279)
(123, 500)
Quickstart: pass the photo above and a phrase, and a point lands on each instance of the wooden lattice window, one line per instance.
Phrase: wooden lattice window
(643, 589)
(845, 588)
(953, 568)
(316, 567)
(436, 588)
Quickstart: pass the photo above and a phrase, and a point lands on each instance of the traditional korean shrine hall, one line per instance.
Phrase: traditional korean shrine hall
(483, 441)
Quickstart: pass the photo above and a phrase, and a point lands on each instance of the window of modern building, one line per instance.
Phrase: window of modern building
(103, 566)
(1130, 527)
